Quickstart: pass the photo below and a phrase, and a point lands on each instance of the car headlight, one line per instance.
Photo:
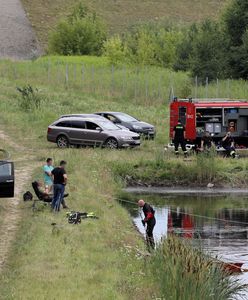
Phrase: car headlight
(126, 138)
(137, 127)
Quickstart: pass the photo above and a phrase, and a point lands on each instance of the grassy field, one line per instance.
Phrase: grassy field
(119, 15)
(98, 259)
(96, 77)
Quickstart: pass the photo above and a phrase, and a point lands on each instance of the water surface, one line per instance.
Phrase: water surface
(217, 221)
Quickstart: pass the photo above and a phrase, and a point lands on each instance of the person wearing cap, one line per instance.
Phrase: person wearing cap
(179, 138)
(149, 221)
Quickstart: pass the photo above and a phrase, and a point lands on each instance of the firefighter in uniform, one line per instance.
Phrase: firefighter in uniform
(149, 221)
(179, 138)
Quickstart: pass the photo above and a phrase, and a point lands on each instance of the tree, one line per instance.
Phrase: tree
(82, 33)
(202, 51)
(235, 20)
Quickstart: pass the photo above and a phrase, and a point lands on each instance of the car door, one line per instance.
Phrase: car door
(78, 132)
(7, 181)
(63, 128)
(93, 135)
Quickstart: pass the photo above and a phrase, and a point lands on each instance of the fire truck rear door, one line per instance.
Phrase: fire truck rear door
(187, 117)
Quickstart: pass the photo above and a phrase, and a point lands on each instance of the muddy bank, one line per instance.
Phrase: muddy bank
(198, 172)
(185, 191)
(173, 184)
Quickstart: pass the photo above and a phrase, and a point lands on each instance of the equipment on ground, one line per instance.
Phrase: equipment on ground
(27, 196)
(75, 217)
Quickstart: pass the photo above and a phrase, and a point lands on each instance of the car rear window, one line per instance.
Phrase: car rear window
(64, 124)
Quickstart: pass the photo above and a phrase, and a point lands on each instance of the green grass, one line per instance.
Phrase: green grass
(166, 170)
(119, 15)
(176, 266)
(98, 258)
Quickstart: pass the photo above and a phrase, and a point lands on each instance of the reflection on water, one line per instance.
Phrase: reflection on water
(219, 222)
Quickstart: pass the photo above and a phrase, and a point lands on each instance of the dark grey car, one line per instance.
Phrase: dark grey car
(90, 132)
(7, 179)
(143, 128)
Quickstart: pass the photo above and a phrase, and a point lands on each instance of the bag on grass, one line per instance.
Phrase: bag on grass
(27, 196)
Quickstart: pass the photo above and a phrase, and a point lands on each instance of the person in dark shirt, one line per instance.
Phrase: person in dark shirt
(228, 144)
(206, 141)
(179, 138)
(59, 182)
(150, 221)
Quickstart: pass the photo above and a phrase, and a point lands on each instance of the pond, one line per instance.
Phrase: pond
(217, 221)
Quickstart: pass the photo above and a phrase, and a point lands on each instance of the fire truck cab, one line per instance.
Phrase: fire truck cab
(217, 116)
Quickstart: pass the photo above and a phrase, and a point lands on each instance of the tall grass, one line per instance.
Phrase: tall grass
(93, 76)
(184, 272)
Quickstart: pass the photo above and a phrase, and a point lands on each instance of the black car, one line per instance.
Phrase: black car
(6, 179)
(130, 122)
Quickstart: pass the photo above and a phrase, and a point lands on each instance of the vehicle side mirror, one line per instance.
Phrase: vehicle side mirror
(117, 122)
(99, 129)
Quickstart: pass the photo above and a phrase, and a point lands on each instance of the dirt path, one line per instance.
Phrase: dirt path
(17, 38)
(12, 215)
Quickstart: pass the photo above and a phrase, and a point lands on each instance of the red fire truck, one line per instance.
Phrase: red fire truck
(217, 116)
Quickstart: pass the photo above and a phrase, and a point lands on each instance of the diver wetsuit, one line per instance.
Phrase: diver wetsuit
(150, 221)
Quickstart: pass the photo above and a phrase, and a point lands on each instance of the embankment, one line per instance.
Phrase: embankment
(17, 38)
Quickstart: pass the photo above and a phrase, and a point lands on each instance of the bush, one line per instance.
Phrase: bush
(145, 45)
(30, 98)
(83, 33)
(116, 51)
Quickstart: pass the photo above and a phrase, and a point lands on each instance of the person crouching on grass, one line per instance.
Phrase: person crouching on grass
(149, 221)
(59, 183)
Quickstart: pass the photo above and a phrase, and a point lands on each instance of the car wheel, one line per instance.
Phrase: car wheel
(62, 142)
(111, 143)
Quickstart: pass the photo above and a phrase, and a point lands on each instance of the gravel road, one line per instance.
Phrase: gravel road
(17, 38)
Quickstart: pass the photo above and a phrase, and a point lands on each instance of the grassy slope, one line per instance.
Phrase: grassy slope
(119, 14)
(93, 260)
(96, 259)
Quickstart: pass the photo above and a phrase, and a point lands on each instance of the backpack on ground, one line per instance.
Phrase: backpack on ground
(28, 196)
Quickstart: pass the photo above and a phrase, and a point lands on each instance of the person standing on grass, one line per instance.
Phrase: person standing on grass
(179, 138)
(59, 183)
(149, 221)
(48, 178)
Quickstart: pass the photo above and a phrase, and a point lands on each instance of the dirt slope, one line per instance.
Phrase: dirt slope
(11, 215)
(17, 38)
(120, 14)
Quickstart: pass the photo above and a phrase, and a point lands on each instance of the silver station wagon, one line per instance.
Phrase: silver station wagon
(90, 131)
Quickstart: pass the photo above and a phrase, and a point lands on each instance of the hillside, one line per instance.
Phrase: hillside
(119, 14)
